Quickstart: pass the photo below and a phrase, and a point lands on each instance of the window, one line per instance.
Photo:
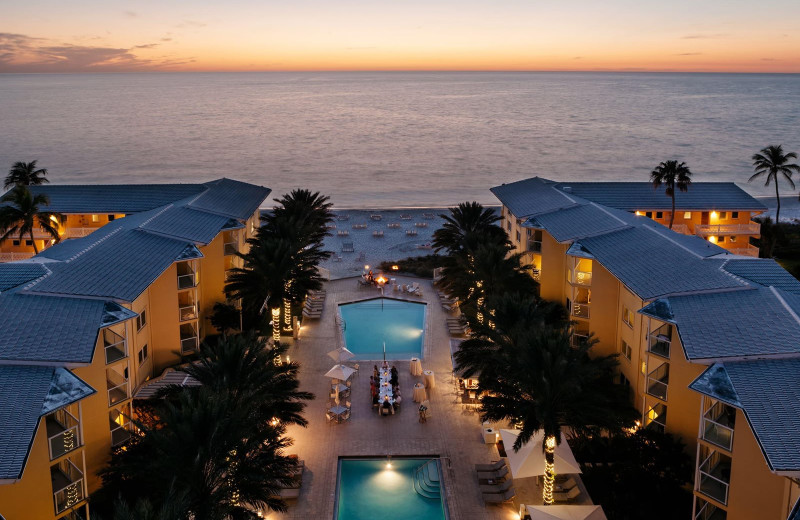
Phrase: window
(95, 218)
(649, 214)
(723, 214)
(659, 214)
(734, 214)
(518, 236)
(519, 222)
(141, 320)
(15, 242)
(720, 239)
(732, 238)
(111, 218)
(143, 354)
(624, 381)
(627, 316)
(29, 242)
(626, 350)
(529, 232)
(508, 225)
(687, 215)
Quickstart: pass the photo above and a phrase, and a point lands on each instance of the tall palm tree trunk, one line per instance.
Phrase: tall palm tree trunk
(35, 249)
(778, 199)
(672, 215)
(549, 469)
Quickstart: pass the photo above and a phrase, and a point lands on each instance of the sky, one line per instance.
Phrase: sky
(250, 35)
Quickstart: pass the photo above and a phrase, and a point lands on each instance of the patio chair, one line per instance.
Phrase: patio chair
(567, 496)
(329, 417)
(567, 485)
(496, 488)
(499, 498)
(494, 466)
(346, 415)
(493, 475)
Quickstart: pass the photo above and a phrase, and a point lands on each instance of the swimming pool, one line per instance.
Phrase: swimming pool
(369, 489)
(369, 324)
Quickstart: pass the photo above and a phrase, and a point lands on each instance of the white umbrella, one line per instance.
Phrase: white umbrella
(341, 354)
(340, 372)
(563, 512)
(529, 460)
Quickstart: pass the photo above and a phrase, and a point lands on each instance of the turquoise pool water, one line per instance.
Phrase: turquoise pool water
(368, 490)
(371, 323)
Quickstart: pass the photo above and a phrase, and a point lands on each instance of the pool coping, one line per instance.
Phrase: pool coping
(426, 337)
(437, 458)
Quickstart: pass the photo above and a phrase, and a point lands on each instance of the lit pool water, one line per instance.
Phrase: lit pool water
(369, 490)
(371, 323)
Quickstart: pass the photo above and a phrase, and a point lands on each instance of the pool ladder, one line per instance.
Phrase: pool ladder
(427, 480)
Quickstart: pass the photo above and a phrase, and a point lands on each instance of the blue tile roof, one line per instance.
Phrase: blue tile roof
(113, 198)
(36, 328)
(15, 274)
(652, 264)
(231, 198)
(577, 221)
(532, 196)
(763, 271)
(768, 392)
(732, 324)
(632, 196)
(28, 392)
(188, 224)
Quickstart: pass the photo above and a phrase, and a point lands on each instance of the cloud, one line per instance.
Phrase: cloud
(689, 54)
(190, 23)
(131, 14)
(704, 36)
(22, 53)
(769, 59)
(578, 58)
(166, 39)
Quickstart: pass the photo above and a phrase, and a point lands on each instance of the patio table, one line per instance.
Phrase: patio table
(428, 378)
(340, 387)
(416, 367)
(419, 393)
(338, 411)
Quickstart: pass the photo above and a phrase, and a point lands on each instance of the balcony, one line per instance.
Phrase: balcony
(656, 418)
(534, 246)
(714, 477)
(13, 257)
(581, 310)
(231, 247)
(67, 482)
(708, 511)
(188, 312)
(582, 278)
(744, 251)
(579, 340)
(63, 433)
(657, 382)
(115, 346)
(705, 230)
(683, 229)
(118, 387)
(79, 232)
(120, 425)
(190, 340)
(660, 341)
(718, 424)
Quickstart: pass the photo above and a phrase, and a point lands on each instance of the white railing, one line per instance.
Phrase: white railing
(680, 228)
(189, 344)
(744, 251)
(187, 281)
(711, 485)
(14, 257)
(579, 340)
(118, 392)
(715, 430)
(582, 278)
(709, 512)
(79, 232)
(188, 312)
(581, 310)
(659, 345)
(231, 247)
(534, 246)
(116, 347)
(69, 495)
(68, 438)
(657, 415)
(727, 229)
(657, 382)
(120, 433)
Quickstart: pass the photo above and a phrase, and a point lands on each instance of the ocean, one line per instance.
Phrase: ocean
(393, 139)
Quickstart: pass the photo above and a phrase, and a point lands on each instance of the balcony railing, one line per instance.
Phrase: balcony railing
(118, 388)
(13, 257)
(714, 477)
(727, 229)
(189, 344)
(67, 482)
(63, 431)
(718, 425)
(581, 310)
(683, 229)
(579, 340)
(231, 247)
(188, 312)
(120, 433)
(659, 345)
(79, 232)
(744, 251)
(116, 347)
(656, 418)
(187, 281)
(534, 246)
(582, 278)
(709, 511)
(657, 382)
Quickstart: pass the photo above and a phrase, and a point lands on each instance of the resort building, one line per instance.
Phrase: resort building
(87, 321)
(707, 339)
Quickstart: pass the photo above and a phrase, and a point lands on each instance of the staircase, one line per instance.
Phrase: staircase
(426, 480)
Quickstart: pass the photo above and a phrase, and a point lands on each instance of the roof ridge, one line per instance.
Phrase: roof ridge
(794, 315)
(671, 240)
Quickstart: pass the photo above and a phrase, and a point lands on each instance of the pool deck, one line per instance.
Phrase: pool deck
(451, 433)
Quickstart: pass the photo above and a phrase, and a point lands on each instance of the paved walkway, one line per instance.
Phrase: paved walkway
(450, 433)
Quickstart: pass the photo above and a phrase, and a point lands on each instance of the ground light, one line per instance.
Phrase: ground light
(389, 462)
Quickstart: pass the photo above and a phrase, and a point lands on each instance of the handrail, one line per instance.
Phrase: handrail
(727, 228)
(416, 471)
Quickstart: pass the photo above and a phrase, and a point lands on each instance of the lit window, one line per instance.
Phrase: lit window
(734, 214)
(687, 215)
(627, 316)
(626, 350)
(95, 218)
(732, 238)
(659, 214)
(141, 320)
(143, 354)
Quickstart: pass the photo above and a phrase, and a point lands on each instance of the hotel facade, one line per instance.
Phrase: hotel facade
(708, 336)
(85, 324)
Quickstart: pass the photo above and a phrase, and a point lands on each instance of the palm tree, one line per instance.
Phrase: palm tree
(539, 380)
(771, 161)
(672, 174)
(25, 174)
(22, 214)
(464, 223)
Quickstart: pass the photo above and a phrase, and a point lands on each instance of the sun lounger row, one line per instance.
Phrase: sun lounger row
(292, 491)
(501, 489)
(457, 326)
(315, 303)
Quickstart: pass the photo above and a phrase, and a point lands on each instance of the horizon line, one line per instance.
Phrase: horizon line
(487, 71)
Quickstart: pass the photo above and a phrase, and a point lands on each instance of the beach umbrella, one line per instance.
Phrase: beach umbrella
(340, 372)
(341, 354)
(529, 460)
(566, 512)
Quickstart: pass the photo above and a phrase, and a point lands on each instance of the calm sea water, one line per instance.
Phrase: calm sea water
(393, 139)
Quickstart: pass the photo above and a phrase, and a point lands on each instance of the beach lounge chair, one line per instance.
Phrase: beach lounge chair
(361, 256)
(347, 247)
(375, 216)
(567, 496)
(497, 488)
(499, 498)
(377, 234)
(493, 475)
(411, 233)
(312, 315)
(494, 466)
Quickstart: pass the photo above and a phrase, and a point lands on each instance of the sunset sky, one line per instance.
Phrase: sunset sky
(242, 35)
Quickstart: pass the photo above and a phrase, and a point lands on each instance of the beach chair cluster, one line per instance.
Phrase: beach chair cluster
(458, 326)
(449, 304)
(314, 305)
(377, 234)
(291, 490)
(414, 288)
(495, 482)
